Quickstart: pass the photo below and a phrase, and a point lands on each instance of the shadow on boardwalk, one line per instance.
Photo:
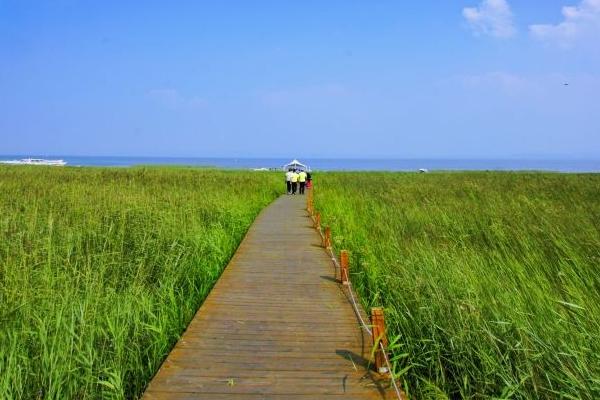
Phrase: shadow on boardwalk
(275, 326)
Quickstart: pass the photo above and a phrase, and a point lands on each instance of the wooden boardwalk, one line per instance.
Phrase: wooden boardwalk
(276, 325)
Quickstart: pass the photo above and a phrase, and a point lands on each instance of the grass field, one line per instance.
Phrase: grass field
(490, 281)
(101, 269)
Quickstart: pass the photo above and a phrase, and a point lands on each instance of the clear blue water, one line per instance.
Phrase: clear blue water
(563, 165)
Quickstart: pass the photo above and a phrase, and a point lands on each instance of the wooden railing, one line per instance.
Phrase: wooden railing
(376, 328)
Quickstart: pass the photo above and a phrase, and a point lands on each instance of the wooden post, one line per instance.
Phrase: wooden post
(379, 336)
(318, 221)
(327, 238)
(344, 264)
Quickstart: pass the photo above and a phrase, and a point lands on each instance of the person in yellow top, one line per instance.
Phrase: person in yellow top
(294, 179)
(302, 181)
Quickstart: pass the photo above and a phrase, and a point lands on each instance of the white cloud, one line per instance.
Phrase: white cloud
(492, 17)
(580, 22)
(172, 98)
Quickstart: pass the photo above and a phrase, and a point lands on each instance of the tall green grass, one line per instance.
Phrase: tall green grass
(101, 270)
(490, 281)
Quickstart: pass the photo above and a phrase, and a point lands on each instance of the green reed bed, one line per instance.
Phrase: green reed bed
(490, 281)
(101, 270)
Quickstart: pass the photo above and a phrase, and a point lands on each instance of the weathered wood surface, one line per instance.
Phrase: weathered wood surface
(276, 325)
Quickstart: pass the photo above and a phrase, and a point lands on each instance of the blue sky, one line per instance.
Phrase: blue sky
(344, 78)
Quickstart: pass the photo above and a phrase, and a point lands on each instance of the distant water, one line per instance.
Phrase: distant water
(326, 164)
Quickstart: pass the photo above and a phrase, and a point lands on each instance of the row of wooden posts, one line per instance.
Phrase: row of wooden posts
(377, 317)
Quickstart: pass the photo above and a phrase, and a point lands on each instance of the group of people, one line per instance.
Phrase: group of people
(296, 181)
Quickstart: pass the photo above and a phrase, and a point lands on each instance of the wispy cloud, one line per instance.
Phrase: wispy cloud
(523, 85)
(504, 83)
(492, 17)
(504, 80)
(173, 99)
(581, 22)
(316, 94)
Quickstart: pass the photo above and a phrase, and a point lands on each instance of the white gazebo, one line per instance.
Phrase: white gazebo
(295, 164)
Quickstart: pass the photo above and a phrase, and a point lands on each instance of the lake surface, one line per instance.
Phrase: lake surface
(326, 164)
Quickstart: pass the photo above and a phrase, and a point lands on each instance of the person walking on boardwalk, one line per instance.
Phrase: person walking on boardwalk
(302, 181)
(288, 181)
(294, 182)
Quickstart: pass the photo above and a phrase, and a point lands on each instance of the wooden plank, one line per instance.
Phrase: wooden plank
(272, 373)
(271, 336)
(276, 325)
(263, 385)
(237, 362)
(232, 331)
(268, 341)
(251, 396)
(310, 357)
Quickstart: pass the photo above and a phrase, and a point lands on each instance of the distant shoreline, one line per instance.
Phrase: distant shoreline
(342, 164)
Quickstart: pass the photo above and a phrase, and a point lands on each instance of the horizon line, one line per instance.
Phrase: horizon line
(556, 157)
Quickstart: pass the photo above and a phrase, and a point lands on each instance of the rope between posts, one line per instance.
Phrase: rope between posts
(366, 327)
(387, 361)
(353, 300)
(357, 312)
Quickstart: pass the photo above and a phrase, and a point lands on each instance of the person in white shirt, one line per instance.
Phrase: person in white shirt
(288, 180)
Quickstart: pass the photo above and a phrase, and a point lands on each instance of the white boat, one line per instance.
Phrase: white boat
(35, 161)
